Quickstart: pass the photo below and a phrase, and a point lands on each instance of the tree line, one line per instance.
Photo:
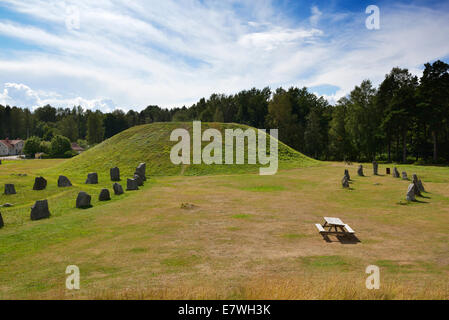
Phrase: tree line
(404, 119)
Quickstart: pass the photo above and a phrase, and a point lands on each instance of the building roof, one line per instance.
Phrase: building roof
(76, 147)
(10, 143)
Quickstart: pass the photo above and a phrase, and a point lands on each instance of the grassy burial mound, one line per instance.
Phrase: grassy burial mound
(151, 144)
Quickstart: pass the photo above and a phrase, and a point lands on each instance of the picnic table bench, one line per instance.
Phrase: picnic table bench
(334, 226)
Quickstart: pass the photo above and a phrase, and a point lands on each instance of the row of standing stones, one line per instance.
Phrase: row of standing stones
(414, 189)
(40, 209)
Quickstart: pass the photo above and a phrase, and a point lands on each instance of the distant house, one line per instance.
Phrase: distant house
(11, 147)
(76, 147)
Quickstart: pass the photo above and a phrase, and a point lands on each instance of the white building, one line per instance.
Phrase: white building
(11, 147)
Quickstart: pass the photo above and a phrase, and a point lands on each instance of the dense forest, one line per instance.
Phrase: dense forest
(405, 119)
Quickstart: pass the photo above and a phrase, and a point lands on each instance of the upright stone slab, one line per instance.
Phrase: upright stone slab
(360, 171)
(40, 210)
(40, 184)
(64, 182)
(83, 200)
(388, 171)
(104, 195)
(132, 185)
(375, 168)
(345, 182)
(411, 193)
(10, 189)
(347, 174)
(395, 172)
(415, 182)
(1, 221)
(115, 174)
(139, 180)
(404, 175)
(92, 178)
(421, 186)
(118, 189)
(141, 171)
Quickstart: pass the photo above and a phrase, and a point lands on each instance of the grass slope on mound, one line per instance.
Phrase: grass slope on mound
(151, 144)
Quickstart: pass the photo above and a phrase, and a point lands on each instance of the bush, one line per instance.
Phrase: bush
(45, 147)
(83, 144)
(59, 146)
(45, 156)
(32, 146)
(70, 154)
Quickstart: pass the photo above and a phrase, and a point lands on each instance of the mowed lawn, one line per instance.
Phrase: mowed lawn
(248, 236)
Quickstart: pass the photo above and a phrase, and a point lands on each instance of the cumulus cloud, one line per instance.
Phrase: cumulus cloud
(16, 94)
(171, 53)
(19, 94)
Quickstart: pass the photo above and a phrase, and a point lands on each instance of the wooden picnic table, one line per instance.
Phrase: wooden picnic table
(338, 226)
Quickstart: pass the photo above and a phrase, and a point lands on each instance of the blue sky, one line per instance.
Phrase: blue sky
(109, 54)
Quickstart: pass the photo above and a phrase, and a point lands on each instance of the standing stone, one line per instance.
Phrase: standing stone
(132, 185)
(139, 180)
(141, 171)
(347, 174)
(1, 221)
(411, 193)
(115, 174)
(83, 200)
(415, 182)
(360, 171)
(404, 175)
(104, 195)
(10, 189)
(92, 178)
(345, 182)
(395, 173)
(421, 186)
(40, 210)
(375, 168)
(64, 182)
(40, 184)
(118, 189)
(388, 171)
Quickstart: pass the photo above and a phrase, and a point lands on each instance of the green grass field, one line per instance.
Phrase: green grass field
(248, 236)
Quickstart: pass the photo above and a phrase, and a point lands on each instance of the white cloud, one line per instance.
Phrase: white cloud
(276, 37)
(16, 94)
(316, 15)
(19, 94)
(132, 54)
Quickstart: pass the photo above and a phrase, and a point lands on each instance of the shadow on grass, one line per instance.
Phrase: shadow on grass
(343, 239)
(85, 208)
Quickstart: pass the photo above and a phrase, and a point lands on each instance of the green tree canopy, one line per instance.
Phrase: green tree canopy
(59, 146)
(32, 146)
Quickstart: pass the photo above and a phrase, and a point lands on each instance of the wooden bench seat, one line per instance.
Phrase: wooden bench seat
(349, 229)
(320, 228)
